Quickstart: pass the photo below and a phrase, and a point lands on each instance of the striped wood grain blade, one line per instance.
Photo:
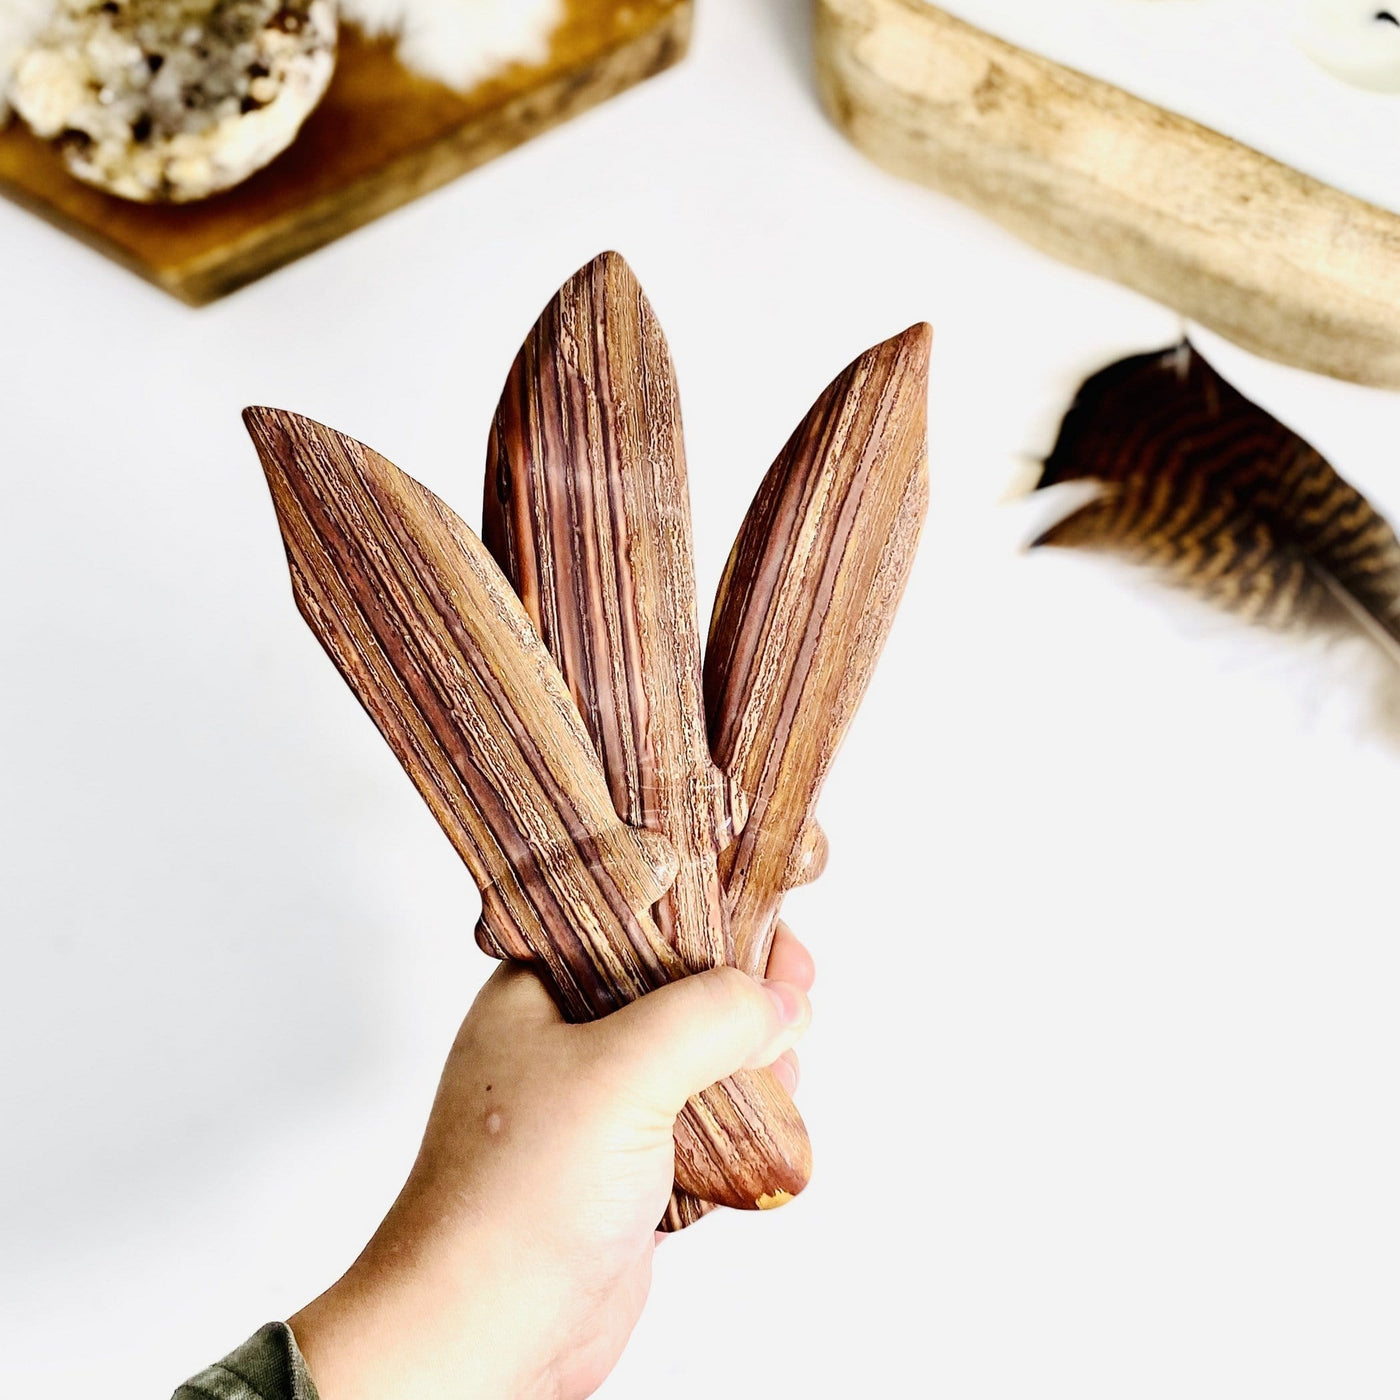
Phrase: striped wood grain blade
(586, 510)
(1222, 499)
(587, 513)
(682, 1211)
(419, 620)
(803, 610)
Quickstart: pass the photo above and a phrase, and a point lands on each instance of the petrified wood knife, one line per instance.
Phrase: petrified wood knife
(420, 622)
(803, 609)
(587, 512)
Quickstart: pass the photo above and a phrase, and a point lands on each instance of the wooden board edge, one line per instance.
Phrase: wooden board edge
(625, 64)
(89, 237)
(1283, 264)
(420, 171)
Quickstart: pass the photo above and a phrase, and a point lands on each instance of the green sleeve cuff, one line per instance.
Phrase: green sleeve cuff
(268, 1366)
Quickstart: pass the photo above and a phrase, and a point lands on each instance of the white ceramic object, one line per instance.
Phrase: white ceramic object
(1233, 65)
(1357, 40)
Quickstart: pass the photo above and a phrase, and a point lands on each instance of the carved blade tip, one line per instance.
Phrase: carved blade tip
(271, 430)
(609, 265)
(915, 345)
(907, 354)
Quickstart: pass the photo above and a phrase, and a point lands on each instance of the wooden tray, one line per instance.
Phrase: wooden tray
(381, 137)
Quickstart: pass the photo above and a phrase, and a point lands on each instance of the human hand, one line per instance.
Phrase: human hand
(516, 1260)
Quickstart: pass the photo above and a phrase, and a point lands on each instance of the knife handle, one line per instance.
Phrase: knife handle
(741, 1143)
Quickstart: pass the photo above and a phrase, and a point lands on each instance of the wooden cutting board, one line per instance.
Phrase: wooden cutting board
(381, 137)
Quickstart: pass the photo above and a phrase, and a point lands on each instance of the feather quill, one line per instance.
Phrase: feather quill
(1191, 479)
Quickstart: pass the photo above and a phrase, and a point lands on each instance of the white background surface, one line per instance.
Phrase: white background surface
(1235, 65)
(1104, 1075)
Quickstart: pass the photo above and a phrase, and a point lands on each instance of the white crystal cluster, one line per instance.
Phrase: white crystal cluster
(21, 22)
(174, 100)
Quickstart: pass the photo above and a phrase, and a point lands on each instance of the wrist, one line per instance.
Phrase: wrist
(409, 1322)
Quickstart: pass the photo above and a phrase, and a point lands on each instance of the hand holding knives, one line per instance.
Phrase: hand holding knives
(629, 815)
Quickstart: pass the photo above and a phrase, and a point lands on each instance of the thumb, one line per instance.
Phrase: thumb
(677, 1041)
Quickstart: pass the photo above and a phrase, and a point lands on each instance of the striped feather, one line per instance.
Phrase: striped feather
(1217, 496)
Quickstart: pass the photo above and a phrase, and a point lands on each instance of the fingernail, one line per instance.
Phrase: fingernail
(786, 1074)
(787, 999)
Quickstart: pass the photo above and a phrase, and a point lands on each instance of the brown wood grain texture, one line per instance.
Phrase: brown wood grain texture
(434, 642)
(382, 136)
(588, 514)
(803, 609)
(682, 1211)
(587, 511)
